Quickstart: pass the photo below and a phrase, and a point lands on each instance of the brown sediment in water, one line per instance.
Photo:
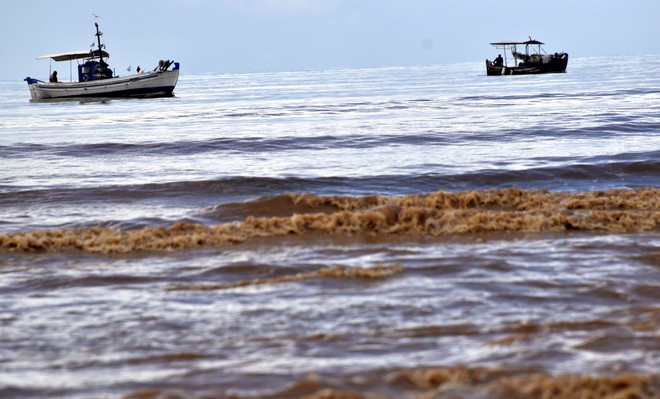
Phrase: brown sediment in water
(538, 385)
(420, 215)
(340, 272)
(458, 382)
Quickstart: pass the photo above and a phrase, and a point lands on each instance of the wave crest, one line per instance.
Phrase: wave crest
(435, 214)
(457, 381)
(339, 272)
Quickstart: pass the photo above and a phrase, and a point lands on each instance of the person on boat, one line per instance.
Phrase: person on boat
(53, 77)
(499, 61)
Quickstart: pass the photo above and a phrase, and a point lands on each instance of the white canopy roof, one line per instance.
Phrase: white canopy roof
(75, 55)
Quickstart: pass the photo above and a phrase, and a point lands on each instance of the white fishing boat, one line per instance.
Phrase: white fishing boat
(96, 79)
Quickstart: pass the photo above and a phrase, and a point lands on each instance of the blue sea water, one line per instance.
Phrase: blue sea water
(229, 148)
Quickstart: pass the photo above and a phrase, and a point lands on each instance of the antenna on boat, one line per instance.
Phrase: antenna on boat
(98, 37)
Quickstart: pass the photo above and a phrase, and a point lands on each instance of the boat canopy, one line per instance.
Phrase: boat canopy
(516, 43)
(75, 55)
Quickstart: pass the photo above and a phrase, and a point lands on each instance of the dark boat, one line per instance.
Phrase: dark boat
(533, 60)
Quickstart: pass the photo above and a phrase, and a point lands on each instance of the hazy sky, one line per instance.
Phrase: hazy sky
(274, 35)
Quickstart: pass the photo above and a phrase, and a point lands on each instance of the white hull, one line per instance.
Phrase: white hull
(151, 84)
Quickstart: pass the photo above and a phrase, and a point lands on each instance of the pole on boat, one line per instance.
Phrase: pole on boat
(98, 38)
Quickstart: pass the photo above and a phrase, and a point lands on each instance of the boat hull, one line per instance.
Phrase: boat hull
(150, 84)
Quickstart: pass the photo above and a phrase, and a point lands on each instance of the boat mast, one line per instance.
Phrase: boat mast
(98, 38)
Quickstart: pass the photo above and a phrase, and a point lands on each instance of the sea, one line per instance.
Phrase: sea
(402, 232)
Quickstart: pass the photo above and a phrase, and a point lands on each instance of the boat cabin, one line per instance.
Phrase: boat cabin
(94, 70)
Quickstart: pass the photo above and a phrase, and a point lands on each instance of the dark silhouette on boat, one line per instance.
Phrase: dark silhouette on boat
(533, 60)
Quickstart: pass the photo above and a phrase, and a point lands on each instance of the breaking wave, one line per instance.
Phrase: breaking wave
(420, 215)
(454, 382)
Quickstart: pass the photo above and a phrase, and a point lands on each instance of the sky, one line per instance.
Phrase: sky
(236, 36)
